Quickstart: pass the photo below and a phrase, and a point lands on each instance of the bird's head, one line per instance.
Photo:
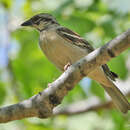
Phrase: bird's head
(40, 21)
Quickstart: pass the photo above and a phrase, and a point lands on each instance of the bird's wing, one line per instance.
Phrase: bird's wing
(74, 38)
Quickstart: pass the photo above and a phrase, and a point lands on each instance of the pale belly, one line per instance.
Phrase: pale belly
(59, 52)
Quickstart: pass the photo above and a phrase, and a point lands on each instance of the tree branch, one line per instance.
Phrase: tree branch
(42, 104)
(91, 104)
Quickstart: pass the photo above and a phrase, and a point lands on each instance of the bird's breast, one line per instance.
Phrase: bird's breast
(58, 50)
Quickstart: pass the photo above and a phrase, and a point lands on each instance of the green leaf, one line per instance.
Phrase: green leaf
(2, 92)
(118, 120)
(97, 90)
(75, 94)
(6, 4)
(75, 21)
(118, 66)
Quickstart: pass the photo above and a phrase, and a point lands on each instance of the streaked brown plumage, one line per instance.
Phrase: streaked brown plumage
(63, 46)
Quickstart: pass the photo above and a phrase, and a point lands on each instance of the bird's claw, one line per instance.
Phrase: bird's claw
(67, 66)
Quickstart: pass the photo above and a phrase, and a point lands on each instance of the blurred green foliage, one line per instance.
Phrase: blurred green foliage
(95, 20)
(2, 92)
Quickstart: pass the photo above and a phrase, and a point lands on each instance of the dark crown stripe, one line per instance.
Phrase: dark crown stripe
(38, 21)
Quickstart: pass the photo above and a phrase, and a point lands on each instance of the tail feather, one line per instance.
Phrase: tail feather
(106, 78)
(118, 98)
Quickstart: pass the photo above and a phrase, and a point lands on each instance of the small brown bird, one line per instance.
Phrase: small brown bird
(64, 47)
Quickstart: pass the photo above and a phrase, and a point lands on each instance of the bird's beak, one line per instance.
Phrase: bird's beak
(27, 23)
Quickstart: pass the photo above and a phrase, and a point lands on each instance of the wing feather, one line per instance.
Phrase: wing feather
(74, 38)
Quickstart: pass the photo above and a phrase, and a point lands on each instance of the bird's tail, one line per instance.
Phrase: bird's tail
(117, 97)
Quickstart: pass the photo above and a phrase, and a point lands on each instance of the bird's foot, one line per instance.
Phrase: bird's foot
(49, 85)
(67, 66)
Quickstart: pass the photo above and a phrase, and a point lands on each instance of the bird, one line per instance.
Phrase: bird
(63, 47)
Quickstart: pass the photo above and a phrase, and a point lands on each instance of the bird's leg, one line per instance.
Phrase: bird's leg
(67, 66)
(49, 85)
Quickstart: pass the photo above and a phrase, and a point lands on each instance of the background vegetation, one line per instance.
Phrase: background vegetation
(25, 71)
